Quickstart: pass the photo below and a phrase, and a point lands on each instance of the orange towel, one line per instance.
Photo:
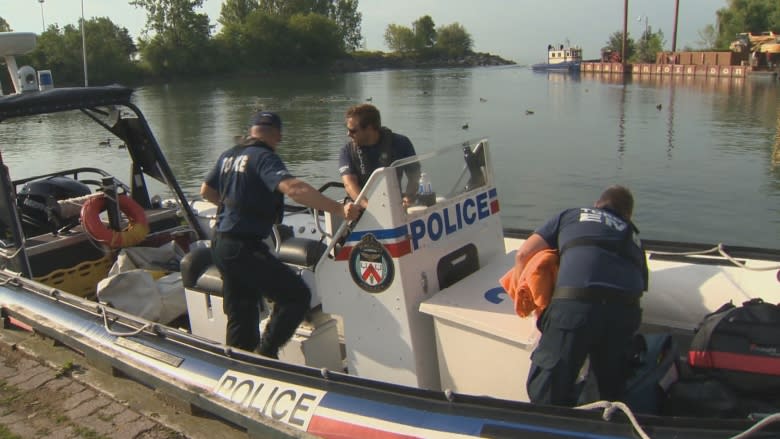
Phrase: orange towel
(532, 289)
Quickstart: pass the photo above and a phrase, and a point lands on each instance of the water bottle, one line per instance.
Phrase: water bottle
(425, 194)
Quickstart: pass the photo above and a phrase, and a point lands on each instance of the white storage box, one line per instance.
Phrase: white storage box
(483, 346)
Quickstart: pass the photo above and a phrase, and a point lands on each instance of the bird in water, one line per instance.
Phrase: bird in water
(658, 107)
(482, 100)
(529, 112)
(465, 126)
(369, 99)
(106, 142)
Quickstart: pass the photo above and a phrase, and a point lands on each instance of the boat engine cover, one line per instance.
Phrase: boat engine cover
(37, 200)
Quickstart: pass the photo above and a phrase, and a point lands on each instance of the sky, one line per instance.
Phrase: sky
(519, 30)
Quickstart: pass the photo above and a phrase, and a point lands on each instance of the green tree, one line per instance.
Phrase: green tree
(109, 50)
(424, 33)
(649, 45)
(615, 44)
(236, 11)
(4, 26)
(399, 38)
(453, 40)
(267, 49)
(317, 38)
(288, 8)
(181, 42)
(708, 37)
(343, 12)
(349, 22)
(746, 16)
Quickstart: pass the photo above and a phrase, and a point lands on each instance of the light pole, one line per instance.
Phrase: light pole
(43, 23)
(639, 19)
(83, 45)
(643, 46)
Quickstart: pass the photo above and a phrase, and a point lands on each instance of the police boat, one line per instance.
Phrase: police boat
(408, 335)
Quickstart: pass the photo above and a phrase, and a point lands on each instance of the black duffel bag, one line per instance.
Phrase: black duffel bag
(740, 346)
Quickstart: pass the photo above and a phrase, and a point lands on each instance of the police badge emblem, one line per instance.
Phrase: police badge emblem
(371, 266)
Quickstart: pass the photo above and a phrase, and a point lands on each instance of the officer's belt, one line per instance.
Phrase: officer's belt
(599, 295)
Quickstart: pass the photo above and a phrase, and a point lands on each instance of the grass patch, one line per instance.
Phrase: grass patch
(87, 433)
(66, 369)
(5, 433)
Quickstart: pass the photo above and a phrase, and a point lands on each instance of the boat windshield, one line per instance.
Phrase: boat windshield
(446, 172)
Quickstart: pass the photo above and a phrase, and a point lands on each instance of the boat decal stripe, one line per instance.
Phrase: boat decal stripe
(414, 426)
(398, 418)
(381, 234)
(335, 429)
(732, 361)
(493, 207)
(396, 250)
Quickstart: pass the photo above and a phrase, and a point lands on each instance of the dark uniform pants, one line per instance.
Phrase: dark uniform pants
(250, 271)
(571, 330)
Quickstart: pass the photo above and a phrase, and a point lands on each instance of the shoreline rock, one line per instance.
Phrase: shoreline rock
(381, 61)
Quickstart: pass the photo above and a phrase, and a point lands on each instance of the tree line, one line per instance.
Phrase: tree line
(255, 36)
(738, 16)
(424, 39)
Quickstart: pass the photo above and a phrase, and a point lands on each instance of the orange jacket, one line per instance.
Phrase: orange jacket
(532, 289)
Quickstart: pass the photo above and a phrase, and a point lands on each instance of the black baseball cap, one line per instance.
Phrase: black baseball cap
(266, 118)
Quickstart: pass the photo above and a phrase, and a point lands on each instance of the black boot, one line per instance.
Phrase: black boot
(267, 350)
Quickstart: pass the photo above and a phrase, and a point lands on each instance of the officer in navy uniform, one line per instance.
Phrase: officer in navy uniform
(248, 183)
(594, 309)
(373, 146)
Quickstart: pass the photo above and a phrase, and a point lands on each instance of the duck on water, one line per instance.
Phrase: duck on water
(408, 335)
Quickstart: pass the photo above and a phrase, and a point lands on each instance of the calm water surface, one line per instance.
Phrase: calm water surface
(698, 153)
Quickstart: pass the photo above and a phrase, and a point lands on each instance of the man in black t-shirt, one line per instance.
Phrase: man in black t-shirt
(373, 146)
(248, 183)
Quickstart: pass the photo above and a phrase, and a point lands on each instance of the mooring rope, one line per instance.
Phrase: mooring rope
(120, 334)
(719, 249)
(758, 426)
(610, 408)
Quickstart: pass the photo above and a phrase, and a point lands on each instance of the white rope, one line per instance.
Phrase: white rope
(719, 249)
(610, 408)
(120, 334)
(758, 426)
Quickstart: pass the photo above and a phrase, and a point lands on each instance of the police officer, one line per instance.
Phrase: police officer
(594, 309)
(373, 146)
(248, 183)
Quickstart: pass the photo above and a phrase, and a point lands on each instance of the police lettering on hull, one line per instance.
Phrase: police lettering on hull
(285, 402)
(451, 219)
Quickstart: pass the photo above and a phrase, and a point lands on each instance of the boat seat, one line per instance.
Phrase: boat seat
(199, 273)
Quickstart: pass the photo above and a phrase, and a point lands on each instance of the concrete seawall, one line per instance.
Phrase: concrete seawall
(717, 71)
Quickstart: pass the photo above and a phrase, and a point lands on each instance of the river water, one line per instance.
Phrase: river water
(697, 152)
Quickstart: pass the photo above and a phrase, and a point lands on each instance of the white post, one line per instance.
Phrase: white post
(84, 46)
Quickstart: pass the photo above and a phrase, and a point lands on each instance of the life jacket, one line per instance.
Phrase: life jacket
(359, 160)
(532, 289)
(622, 247)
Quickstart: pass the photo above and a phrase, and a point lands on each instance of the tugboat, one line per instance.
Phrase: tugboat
(560, 59)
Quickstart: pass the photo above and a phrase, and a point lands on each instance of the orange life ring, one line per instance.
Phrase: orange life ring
(134, 233)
